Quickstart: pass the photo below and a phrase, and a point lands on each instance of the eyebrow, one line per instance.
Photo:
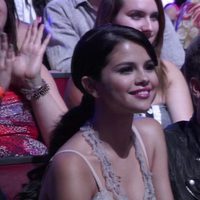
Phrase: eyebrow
(140, 11)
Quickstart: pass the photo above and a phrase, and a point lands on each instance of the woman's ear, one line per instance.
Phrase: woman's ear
(89, 85)
(195, 87)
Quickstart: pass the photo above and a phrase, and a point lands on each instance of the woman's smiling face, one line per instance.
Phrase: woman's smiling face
(141, 15)
(129, 81)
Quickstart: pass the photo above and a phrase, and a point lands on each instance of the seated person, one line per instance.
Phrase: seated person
(30, 103)
(108, 156)
(183, 138)
(188, 22)
(173, 9)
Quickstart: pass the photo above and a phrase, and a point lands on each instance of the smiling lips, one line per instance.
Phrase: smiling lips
(141, 93)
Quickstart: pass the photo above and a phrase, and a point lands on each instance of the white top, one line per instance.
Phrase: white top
(26, 13)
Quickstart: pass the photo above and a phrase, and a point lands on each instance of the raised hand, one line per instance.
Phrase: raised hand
(28, 62)
(6, 60)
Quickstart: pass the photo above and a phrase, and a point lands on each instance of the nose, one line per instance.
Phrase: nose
(142, 79)
(146, 27)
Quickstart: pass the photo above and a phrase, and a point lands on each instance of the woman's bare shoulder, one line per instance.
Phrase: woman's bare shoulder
(150, 131)
(171, 68)
(148, 126)
(152, 135)
(70, 169)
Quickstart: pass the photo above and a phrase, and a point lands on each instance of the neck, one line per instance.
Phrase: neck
(114, 129)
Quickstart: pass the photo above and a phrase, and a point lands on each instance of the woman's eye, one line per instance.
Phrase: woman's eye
(154, 17)
(125, 70)
(136, 16)
(150, 66)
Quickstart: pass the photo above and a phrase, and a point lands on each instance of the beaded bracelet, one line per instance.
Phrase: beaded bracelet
(2, 92)
(36, 93)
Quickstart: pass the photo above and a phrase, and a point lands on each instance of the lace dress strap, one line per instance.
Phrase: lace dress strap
(149, 192)
(138, 136)
(99, 184)
(111, 180)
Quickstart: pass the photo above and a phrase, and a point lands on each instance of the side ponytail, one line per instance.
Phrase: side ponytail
(71, 123)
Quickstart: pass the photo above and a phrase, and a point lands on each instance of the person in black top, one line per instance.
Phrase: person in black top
(183, 138)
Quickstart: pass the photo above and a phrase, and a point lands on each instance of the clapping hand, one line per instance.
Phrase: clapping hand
(28, 62)
(6, 60)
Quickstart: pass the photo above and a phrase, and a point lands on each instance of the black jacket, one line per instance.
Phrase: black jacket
(183, 142)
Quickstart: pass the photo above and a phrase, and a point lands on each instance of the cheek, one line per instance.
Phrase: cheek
(115, 85)
(156, 27)
(154, 80)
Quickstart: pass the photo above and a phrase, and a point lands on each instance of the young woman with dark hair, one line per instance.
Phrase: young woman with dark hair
(98, 151)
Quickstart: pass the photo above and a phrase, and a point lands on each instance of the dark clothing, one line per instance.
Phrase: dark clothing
(183, 141)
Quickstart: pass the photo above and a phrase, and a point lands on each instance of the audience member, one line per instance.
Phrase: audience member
(173, 9)
(148, 17)
(188, 22)
(183, 138)
(108, 157)
(30, 102)
(68, 20)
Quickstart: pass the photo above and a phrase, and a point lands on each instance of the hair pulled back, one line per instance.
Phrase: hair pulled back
(90, 56)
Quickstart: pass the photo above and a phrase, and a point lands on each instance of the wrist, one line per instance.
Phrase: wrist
(36, 91)
(30, 84)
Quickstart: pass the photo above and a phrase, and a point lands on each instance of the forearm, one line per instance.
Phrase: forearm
(178, 99)
(176, 55)
(73, 95)
(47, 113)
(179, 102)
(48, 108)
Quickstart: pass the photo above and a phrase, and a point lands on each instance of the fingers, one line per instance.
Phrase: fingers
(7, 56)
(4, 41)
(34, 36)
(31, 35)
(3, 50)
(27, 38)
(44, 44)
(10, 58)
(46, 41)
(37, 33)
(34, 31)
(10, 52)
